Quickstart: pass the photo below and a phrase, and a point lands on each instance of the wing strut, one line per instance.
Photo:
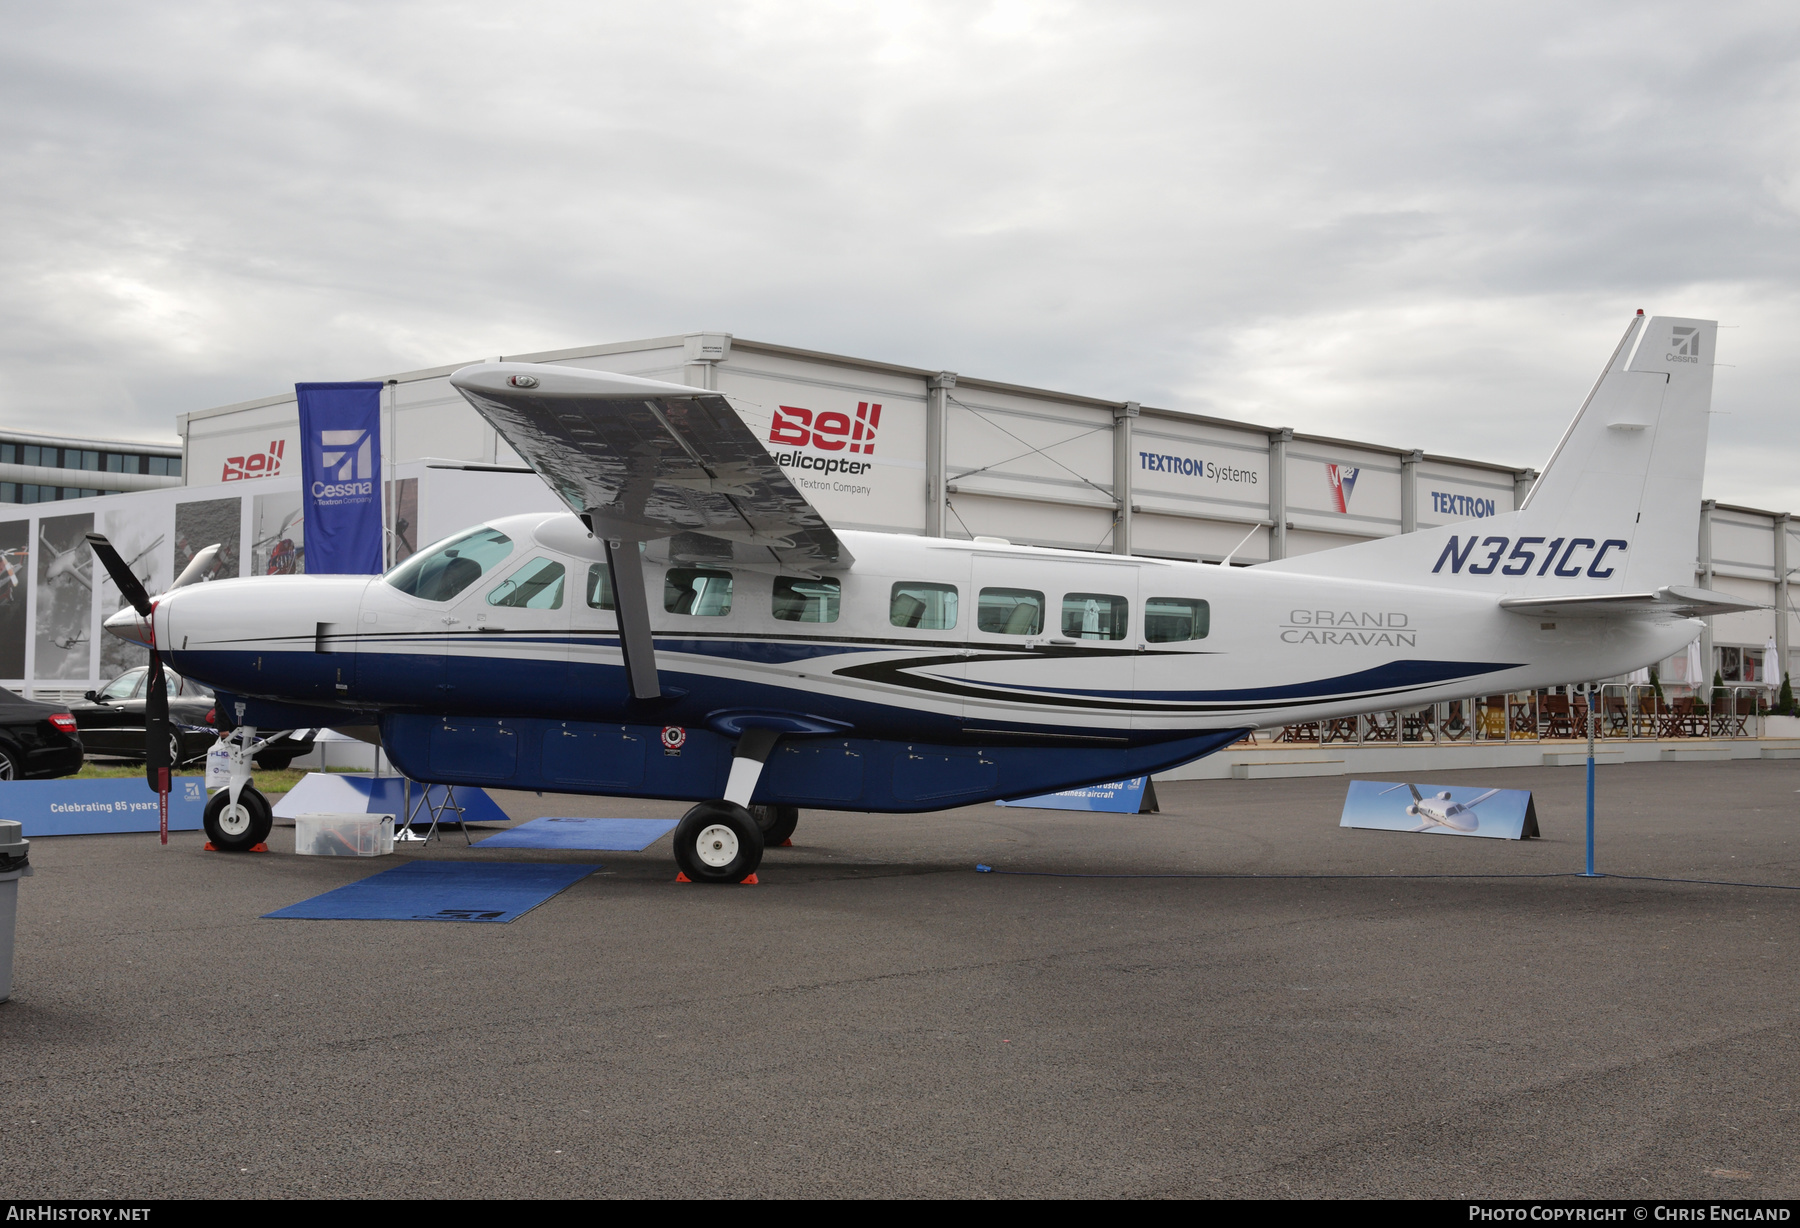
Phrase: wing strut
(625, 559)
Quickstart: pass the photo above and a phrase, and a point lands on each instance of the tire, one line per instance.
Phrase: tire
(776, 822)
(9, 765)
(718, 842)
(243, 830)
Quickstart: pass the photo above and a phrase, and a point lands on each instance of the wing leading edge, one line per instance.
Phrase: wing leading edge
(644, 460)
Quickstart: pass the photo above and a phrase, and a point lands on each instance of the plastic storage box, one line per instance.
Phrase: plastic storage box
(344, 835)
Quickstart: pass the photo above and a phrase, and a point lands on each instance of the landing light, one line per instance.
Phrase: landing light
(522, 381)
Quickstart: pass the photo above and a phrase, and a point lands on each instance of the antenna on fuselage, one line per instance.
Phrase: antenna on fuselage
(1261, 524)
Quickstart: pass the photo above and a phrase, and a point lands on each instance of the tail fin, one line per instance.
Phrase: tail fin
(1617, 509)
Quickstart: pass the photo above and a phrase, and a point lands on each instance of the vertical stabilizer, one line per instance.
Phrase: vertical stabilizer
(1617, 508)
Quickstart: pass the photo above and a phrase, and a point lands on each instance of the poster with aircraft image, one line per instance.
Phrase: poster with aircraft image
(15, 582)
(200, 523)
(141, 536)
(278, 535)
(65, 599)
(1448, 810)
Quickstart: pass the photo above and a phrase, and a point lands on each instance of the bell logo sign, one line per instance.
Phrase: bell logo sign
(828, 431)
(259, 465)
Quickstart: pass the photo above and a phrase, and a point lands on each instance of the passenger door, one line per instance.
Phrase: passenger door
(1078, 663)
(1175, 652)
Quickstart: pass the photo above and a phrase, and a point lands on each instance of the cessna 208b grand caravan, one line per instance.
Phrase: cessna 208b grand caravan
(693, 629)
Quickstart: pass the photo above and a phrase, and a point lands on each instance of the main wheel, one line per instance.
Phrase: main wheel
(776, 822)
(718, 842)
(239, 828)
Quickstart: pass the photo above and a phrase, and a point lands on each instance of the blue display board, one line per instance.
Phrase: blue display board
(1450, 810)
(99, 807)
(360, 793)
(1115, 796)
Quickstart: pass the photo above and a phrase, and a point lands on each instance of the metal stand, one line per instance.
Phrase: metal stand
(1588, 689)
(405, 833)
(437, 812)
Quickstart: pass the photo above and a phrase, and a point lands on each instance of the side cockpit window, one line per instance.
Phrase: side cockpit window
(443, 571)
(536, 586)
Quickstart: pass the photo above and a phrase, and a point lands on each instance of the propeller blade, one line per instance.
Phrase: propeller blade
(157, 730)
(123, 578)
(198, 566)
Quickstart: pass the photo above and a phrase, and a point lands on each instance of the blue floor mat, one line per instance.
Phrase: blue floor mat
(612, 835)
(440, 891)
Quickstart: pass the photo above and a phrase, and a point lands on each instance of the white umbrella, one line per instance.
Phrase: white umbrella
(1772, 670)
(1695, 678)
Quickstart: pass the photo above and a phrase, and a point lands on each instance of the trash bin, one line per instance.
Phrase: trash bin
(15, 863)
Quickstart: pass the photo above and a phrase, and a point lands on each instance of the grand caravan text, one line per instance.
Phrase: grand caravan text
(1558, 559)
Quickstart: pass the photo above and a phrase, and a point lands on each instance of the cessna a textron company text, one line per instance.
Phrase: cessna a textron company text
(694, 629)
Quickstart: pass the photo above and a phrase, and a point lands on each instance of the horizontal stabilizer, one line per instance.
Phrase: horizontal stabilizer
(643, 460)
(1671, 603)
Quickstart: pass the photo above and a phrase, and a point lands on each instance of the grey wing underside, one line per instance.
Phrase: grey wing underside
(645, 460)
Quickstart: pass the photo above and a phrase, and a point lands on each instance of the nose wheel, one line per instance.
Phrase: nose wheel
(718, 842)
(240, 827)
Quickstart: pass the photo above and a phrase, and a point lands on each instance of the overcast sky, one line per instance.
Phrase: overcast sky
(1417, 224)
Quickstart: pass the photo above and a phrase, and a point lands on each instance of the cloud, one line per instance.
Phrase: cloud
(1416, 224)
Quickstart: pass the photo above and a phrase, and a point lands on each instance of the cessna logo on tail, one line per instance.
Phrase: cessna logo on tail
(1558, 559)
(1685, 343)
(828, 431)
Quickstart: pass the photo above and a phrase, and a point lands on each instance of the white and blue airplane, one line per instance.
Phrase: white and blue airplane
(693, 629)
(1439, 810)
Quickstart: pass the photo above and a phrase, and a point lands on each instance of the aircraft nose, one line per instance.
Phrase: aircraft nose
(131, 627)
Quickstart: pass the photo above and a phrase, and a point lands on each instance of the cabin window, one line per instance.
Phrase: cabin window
(806, 601)
(699, 591)
(440, 573)
(536, 586)
(600, 590)
(1010, 611)
(1169, 620)
(923, 607)
(1095, 616)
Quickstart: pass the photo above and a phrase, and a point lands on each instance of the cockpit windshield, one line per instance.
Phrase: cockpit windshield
(440, 572)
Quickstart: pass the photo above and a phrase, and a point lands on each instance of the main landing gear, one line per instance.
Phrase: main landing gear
(777, 823)
(723, 841)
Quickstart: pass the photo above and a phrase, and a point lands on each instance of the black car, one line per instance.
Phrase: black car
(112, 722)
(37, 740)
(112, 718)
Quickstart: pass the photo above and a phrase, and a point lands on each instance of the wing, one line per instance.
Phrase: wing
(1669, 604)
(1481, 799)
(644, 460)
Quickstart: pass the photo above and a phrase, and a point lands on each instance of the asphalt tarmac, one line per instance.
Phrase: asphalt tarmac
(877, 1019)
